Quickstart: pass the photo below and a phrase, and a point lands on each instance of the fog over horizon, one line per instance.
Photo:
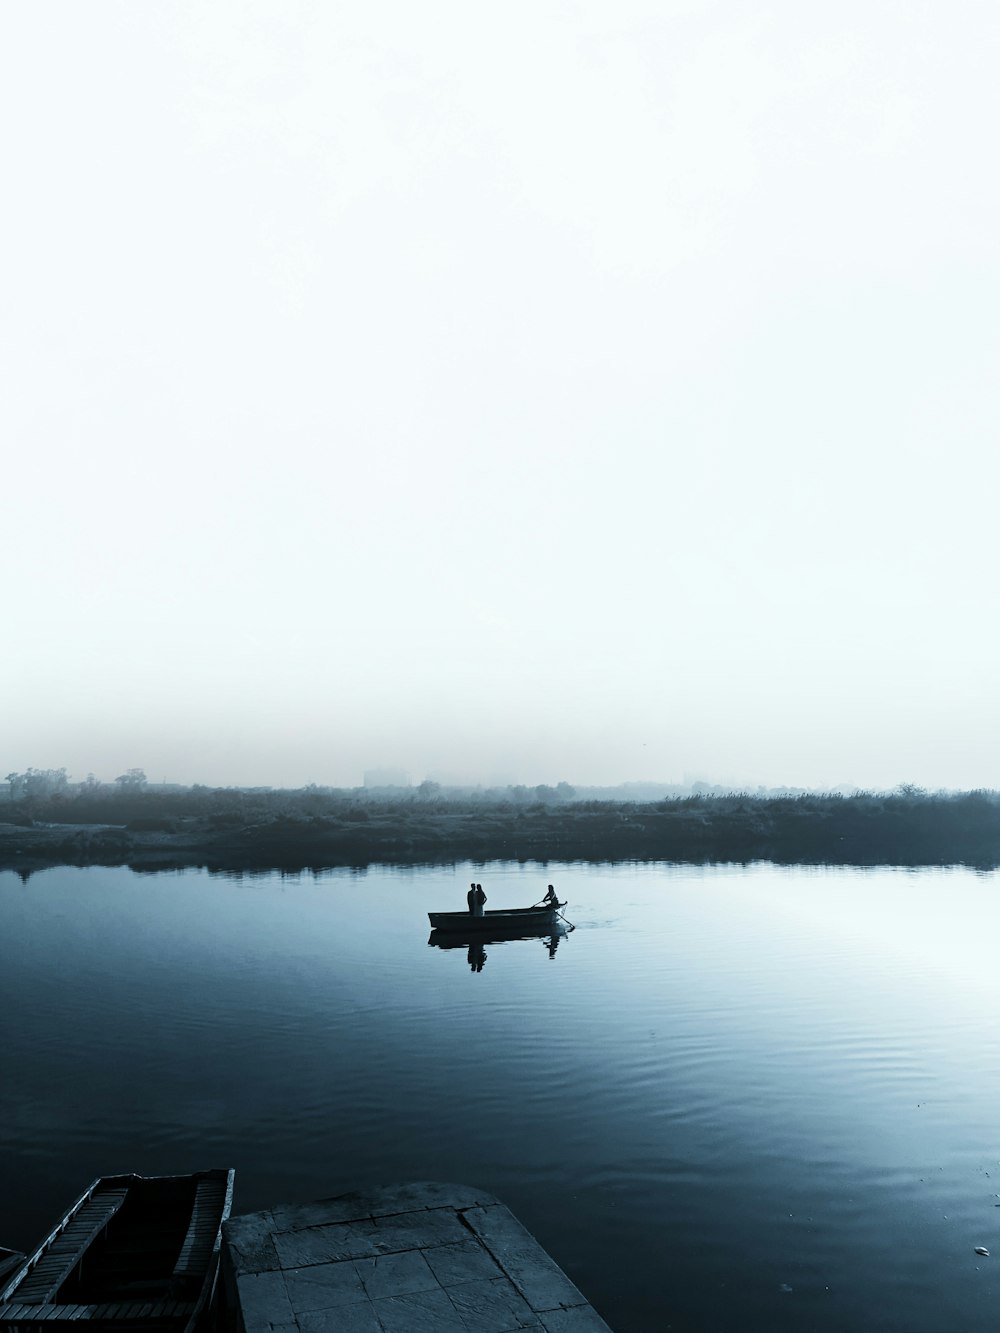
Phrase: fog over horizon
(502, 394)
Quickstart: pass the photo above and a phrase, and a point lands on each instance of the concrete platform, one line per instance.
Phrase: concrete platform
(422, 1258)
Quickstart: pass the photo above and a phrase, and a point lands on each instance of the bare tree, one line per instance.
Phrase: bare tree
(39, 782)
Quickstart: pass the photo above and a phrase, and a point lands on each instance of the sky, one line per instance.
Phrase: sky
(543, 391)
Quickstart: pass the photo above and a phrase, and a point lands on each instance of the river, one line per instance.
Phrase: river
(732, 1098)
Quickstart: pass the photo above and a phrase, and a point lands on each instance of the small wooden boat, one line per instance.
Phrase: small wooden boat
(511, 918)
(133, 1253)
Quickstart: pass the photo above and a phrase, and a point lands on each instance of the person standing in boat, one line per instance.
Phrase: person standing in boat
(480, 901)
(470, 898)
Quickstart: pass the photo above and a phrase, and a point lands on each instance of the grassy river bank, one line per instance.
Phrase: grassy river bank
(245, 830)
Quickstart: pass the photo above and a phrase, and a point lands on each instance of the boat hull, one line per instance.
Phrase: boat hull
(514, 918)
(133, 1252)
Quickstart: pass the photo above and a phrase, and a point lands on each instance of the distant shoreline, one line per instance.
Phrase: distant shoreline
(232, 830)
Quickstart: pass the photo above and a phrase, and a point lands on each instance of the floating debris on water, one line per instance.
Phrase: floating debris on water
(981, 1249)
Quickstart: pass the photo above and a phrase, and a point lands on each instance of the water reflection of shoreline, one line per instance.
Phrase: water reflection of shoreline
(474, 945)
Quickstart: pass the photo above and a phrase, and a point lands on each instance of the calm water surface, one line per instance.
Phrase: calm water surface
(733, 1099)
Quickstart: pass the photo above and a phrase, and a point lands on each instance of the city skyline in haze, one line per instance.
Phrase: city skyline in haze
(546, 393)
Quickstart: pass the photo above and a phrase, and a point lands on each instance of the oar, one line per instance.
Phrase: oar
(541, 903)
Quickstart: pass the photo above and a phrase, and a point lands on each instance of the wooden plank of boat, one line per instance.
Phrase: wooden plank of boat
(50, 1268)
(98, 1316)
(203, 1234)
(131, 1250)
(466, 921)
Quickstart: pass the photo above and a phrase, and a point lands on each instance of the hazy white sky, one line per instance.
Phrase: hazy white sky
(556, 389)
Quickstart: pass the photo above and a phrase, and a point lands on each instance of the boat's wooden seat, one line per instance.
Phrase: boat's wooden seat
(15, 1312)
(203, 1229)
(58, 1260)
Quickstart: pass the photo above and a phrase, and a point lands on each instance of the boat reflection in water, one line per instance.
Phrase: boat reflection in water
(474, 942)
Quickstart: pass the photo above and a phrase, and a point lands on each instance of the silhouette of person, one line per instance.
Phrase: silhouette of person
(550, 898)
(479, 900)
(476, 957)
(470, 898)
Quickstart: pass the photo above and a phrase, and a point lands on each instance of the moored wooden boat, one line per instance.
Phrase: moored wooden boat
(132, 1253)
(502, 919)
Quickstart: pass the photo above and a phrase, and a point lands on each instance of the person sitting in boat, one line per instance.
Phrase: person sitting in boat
(550, 899)
(479, 900)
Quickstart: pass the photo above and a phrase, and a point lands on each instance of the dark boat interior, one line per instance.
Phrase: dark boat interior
(136, 1254)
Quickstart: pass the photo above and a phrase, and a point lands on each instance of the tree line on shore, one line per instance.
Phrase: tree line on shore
(315, 826)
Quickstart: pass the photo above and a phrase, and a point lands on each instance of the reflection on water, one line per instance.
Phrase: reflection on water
(741, 1098)
(474, 943)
